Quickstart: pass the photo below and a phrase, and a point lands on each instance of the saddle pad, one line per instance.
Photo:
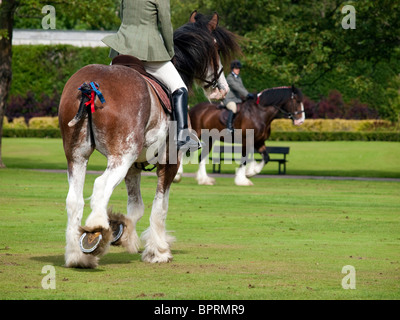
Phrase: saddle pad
(162, 95)
(134, 63)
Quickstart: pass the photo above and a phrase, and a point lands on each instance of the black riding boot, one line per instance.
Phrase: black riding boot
(229, 122)
(180, 109)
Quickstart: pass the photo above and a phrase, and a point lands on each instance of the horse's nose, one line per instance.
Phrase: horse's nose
(298, 122)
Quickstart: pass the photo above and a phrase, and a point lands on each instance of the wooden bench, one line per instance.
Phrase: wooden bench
(234, 152)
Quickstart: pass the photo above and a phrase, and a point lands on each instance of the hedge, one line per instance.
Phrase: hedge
(282, 129)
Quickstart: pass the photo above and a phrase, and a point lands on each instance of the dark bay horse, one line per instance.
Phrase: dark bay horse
(257, 115)
(131, 129)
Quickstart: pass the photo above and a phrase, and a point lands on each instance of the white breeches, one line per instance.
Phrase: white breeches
(166, 73)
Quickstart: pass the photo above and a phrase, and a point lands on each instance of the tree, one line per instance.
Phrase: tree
(7, 9)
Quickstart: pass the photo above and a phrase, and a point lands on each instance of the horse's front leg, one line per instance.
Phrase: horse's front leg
(201, 175)
(253, 168)
(135, 209)
(157, 241)
(240, 177)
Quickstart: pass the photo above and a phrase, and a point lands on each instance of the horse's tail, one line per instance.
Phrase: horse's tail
(85, 107)
(82, 111)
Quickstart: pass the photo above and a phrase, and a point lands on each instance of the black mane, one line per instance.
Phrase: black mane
(278, 96)
(227, 41)
(195, 48)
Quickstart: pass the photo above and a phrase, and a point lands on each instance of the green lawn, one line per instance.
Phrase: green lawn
(339, 158)
(280, 239)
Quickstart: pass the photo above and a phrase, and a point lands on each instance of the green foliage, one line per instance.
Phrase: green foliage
(300, 42)
(47, 68)
(70, 14)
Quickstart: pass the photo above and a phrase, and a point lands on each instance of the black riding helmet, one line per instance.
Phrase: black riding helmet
(236, 64)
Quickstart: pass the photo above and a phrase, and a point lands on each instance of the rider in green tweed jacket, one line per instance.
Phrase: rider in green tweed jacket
(146, 33)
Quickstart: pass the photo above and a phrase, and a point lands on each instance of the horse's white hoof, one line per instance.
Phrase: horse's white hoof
(178, 178)
(156, 257)
(244, 182)
(206, 181)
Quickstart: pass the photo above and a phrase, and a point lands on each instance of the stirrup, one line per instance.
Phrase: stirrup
(192, 143)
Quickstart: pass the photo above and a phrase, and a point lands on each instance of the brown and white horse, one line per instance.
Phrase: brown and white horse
(131, 129)
(252, 128)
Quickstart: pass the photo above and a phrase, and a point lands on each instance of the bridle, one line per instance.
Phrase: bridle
(209, 83)
(217, 74)
(214, 82)
(289, 115)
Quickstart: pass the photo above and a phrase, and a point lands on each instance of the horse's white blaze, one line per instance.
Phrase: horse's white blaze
(300, 121)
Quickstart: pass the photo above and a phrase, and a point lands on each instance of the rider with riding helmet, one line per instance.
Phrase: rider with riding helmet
(237, 92)
(146, 33)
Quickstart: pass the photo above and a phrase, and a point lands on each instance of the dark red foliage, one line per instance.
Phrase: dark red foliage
(30, 107)
(333, 107)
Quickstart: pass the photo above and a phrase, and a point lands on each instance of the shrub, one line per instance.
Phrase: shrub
(333, 125)
(334, 107)
(44, 123)
(29, 107)
(16, 123)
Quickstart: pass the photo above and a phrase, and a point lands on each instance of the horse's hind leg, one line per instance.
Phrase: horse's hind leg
(157, 247)
(97, 225)
(74, 257)
(135, 208)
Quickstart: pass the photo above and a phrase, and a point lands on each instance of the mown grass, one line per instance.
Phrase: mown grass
(338, 158)
(281, 239)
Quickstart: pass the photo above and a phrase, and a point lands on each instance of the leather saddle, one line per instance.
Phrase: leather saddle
(223, 116)
(162, 92)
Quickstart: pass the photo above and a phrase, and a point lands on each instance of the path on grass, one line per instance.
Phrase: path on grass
(276, 176)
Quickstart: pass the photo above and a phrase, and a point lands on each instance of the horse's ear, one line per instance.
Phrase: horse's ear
(193, 16)
(213, 24)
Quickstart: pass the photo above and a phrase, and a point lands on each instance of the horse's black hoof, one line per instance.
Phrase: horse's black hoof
(89, 242)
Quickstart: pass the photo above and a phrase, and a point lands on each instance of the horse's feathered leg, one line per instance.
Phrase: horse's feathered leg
(254, 168)
(201, 175)
(135, 209)
(98, 221)
(74, 257)
(157, 241)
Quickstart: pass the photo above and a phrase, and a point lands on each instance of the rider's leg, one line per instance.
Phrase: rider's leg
(167, 74)
(232, 107)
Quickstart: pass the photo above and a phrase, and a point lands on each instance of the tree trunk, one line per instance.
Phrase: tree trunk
(7, 9)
